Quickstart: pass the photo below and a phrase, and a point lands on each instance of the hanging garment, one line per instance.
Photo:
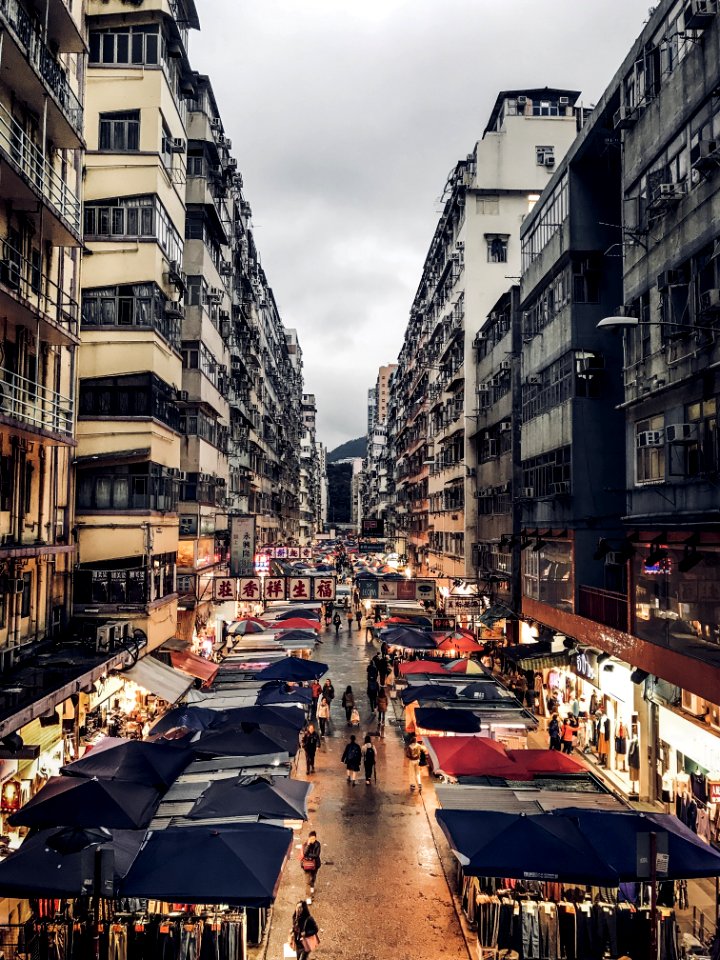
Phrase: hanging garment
(634, 758)
(118, 942)
(606, 928)
(549, 931)
(567, 929)
(529, 931)
(698, 786)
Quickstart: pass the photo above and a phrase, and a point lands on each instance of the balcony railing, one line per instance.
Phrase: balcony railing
(29, 162)
(32, 287)
(28, 35)
(604, 606)
(32, 403)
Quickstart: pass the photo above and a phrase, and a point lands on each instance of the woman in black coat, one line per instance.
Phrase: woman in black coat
(352, 755)
(303, 927)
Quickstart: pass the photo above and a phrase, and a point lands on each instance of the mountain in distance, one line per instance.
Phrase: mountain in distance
(351, 448)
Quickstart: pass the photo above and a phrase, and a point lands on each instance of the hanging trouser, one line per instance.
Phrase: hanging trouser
(118, 943)
(549, 932)
(188, 944)
(530, 931)
(606, 927)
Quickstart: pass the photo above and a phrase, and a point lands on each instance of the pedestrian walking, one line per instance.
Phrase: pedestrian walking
(316, 690)
(356, 597)
(350, 617)
(323, 715)
(382, 705)
(351, 757)
(377, 614)
(372, 670)
(416, 755)
(328, 616)
(369, 632)
(328, 691)
(348, 702)
(373, 688)
(554, 732)
(384, 670)
(337, 623)
(310, 859)
(310, 742)
(304, 934)
(358, 617)
(369, 759)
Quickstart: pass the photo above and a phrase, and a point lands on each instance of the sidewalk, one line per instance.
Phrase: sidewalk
(382, 890)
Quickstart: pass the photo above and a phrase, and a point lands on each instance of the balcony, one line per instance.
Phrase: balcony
(33, 60)
(604, 606)
(27, 294)
(25, 401)
(31, 176)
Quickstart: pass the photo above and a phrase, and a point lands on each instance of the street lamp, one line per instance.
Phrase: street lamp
(630, 323)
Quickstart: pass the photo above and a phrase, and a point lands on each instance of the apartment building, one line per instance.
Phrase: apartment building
(377, 470)
(131, 360)
(309, 505)
(474, 250)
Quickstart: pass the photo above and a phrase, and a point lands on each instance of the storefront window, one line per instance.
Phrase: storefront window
(547, 574)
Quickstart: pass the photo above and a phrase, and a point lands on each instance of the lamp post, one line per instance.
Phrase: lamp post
(631, 323)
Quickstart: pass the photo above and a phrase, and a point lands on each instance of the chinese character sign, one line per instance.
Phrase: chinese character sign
(281, 553)
(224, 588)
(250, 589)
(275, 588)
(298, 588)
(306, 553)
(324, 588)
(262, 563)
(242, 546)
(293, 553)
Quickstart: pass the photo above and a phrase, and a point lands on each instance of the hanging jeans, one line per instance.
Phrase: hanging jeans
(188, 944)
(549, 932)
(606, 927)
(210, 946)
(488, 922)
(667, 938)
(568, 935)
(530, 932)
(118, 943)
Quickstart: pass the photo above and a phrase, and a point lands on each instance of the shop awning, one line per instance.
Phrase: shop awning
(157, 678)
(194, 666)
(534, 656)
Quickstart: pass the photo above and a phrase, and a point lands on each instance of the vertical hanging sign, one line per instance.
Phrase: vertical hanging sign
(242, 546)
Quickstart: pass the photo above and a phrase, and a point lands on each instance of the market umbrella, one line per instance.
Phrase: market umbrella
(430, 667)
(239, 628)
(237, 743)
(270, 798)
(465, 666)
(614, 835)
(408, 639)
(539, 762)
(450, 721)
(291, 717)
(285, 736)
(293, 669)
(180, 865)
(428, 691)
(186, 717)
(310, 613)
(413, 620)
(460, 643)
(542, 847)
(454, 755)
(485, 690)
(50, 863)
(287, 635)
(80, 802)
(154, 765)
(366, 575)
(282, 696)
(295, 623)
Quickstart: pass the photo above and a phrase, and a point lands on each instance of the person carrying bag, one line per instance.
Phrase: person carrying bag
(304, 936)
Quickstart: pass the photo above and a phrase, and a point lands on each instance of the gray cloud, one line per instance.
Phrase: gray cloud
(346, 119)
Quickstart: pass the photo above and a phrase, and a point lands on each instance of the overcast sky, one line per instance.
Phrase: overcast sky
(346, 118)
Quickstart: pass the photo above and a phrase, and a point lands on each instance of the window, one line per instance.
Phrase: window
(133, 305)
(6, 477)
(545, 108)
(650, 450)
(497, 247)
(26, 595)
(544, 473)
(133, 218)
(136, 486)
(126, 46)
(546, 223)
(144, 395)
(545, 156)
(701, 453)
(166, 154)
(120, 132)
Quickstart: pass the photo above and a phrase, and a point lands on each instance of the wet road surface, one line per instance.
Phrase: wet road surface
(381, 891)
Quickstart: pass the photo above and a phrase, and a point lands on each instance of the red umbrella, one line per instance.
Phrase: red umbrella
(460, 642)
(471, 756)
(544, 761)
(422, 666)
(294, 623)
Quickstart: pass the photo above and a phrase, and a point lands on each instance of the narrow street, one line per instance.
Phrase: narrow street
(381, 891)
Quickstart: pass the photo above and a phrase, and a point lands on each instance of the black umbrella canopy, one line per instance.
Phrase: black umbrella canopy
(278, 695)
(410, 638)
(40, 869)
(307, 612)
(234, 743)
(285, 736)
(270, 798)
(189, 718)
(305, 636)
(274, 716)
(80, 802)
(181, 864)
(428, 691)
(152, 764)
(293, 669)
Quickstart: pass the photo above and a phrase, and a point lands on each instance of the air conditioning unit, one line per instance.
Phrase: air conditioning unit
(533, 380)
(528, 493)
(505, 366)
(705, 154)
(668, 193)
(232, 164)
(559, 489)
(176, 145)
(104, 638)
(216, 124)
(505, 426)
(480, 337)
(624, 117)
(650, 438)
(226, 268)
(680, 433)
(225, 329)
(521, 101)
(699, 13)
(549, 160)
(183, 396)
(483, 388)
(710, 300)
(215, 294)
(564, 101)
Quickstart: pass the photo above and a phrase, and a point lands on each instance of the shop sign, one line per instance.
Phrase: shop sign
(713, 787)
(471, 606)
(443, 624)
(281, 553)
(185, 584)
(293, 553)
(275, 588)
(662, 858)
(368, 589)
(689, 738)
(424, 589)
(585, 665)
(373, 527)
(306, 553)
(388, 590)
(371, 546)
(262, 564)
(324, 588)
(250, 590)
(298, 588)
(224, 588)
(242, 546)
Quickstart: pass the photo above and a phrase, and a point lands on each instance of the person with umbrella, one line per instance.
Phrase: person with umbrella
(304, 931)
(368, 758)
(310, 742)
(351, 757)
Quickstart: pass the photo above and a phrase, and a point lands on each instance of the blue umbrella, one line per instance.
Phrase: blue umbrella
(279, 696)
(408, 638)
(152, 764)
(238, 743)
(447, 720)
(260, 715)
(81, 802)
(428, 691)
(270, 798)
(311, 613)
(293, 669)
(191, 718)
